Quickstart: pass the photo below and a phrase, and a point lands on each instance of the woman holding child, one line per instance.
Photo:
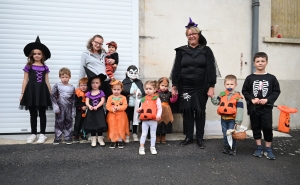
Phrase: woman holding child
(193, 77)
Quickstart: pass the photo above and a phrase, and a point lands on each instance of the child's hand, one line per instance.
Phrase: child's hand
(91, 107)
(255, 101)
(139, 110)
(263, 101)
(58, 113)
(84, 108)
(157, 118)
(95, 108)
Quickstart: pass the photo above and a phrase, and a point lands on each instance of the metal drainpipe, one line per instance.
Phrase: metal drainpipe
(255, 21)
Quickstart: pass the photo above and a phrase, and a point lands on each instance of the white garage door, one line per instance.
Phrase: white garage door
(64, 26)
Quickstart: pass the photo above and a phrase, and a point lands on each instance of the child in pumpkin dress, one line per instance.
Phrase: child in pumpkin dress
(150, 112)
(35, 95)
(231, 109)
(165, 123)
(94, 121)
(116, 119)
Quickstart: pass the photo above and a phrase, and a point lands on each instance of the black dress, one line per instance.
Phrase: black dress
(36, 93)
(95, 119)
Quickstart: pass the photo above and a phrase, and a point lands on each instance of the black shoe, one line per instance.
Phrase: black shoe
(112, 145)
(232, 151)
(200, 143)
(120, 144)
(225, 150)
(76, 140)
(84, 139)
(186, 141)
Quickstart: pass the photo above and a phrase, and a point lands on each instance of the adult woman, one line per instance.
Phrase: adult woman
(193, 77)
(94, 60)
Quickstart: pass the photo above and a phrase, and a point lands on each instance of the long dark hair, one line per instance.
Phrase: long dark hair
(30, 59)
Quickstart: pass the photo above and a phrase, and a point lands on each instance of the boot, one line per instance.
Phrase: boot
(163, 139)
(100, 141)
(158, 139)
(94, 141)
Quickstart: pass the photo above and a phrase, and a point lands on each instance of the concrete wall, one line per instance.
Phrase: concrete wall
(226, 25)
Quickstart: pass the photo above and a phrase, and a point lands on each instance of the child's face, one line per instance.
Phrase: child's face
(260, 63)
(83, 87)
(37, 55)
(149, 89)
(163, 86)
(65, 79)
(230, 85)
(116, 90)
(111, 49)
(95, 83)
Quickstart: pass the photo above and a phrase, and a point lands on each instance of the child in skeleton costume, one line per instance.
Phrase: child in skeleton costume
(63, 99)
(133, 91)
(112, 54)
(116, 119)
(35, 95)
(95, 122)
(80, 110)
(165, 123)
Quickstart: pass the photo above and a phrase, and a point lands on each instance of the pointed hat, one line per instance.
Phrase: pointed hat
(91, 75)
(37, 45)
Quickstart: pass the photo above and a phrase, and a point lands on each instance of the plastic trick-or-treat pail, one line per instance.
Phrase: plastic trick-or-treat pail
(284, 118)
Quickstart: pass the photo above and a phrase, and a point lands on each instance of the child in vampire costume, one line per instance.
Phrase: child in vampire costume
(133, 91)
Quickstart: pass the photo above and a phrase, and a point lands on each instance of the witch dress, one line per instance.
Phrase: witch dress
(95, 119)
(36, 93)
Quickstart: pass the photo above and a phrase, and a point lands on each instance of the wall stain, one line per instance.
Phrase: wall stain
(241, 63)
(146, 37)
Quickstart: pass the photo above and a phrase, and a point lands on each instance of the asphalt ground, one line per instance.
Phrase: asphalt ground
(82, 164)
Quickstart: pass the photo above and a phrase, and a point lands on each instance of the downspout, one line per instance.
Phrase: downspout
(255, 21)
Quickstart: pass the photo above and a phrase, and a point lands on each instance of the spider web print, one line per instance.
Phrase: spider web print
(260, 86)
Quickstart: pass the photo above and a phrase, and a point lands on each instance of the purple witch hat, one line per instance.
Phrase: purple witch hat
(191, 23)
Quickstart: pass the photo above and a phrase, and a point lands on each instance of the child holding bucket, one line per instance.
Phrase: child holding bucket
(261, 90)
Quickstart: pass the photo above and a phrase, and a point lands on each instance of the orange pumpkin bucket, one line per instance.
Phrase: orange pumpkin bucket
(284, 118)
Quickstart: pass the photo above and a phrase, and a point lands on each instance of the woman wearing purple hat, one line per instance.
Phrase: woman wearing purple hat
(194, 78)
(35, 95)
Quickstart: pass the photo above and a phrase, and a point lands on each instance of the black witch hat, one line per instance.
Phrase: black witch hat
(91, 75)
(202, 39)
(37, 45)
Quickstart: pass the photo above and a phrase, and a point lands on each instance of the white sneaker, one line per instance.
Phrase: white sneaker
(153, 150)
(127, 139)
(142, 150)
(31, 139)
(42, 139)
(100, 141)
(135, 137)
(94, 141)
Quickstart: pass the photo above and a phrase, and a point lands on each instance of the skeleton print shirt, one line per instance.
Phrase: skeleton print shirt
(263, 86)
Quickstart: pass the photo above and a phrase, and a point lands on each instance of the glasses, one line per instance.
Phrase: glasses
(192, 34)
(98, 43)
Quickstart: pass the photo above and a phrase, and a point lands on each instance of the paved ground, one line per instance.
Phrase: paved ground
(81, 164)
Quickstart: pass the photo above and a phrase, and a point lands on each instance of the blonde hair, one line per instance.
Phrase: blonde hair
(153, 83)
(63, 71)
(230, 77)
(89, 45)
(194, 30)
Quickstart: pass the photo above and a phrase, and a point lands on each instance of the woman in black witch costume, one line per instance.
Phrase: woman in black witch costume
(35, 95)
(194, 78)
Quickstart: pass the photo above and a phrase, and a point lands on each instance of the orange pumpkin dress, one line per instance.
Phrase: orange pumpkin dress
(117, 121)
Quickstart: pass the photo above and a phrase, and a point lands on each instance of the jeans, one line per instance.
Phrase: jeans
(226, 125)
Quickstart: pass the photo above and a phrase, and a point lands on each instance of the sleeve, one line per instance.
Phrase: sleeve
(159, 109)
(173, 98)
(109, 106)
(116, 57)
(26, 69)
(239, 112)
(211, 68)
(275, 91)
(247, 89)
(176, 68)
(47, 69)
(73, 103)
(54, 96)
(83, 63)
(124, 105)
(215, 100)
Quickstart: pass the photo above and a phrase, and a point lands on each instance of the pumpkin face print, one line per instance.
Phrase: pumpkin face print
(226, 109)
(284, 122)
(287, 121)
(149, 110)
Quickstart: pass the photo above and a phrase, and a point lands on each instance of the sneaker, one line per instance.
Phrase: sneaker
(153, 150)
(42, 139)
(113, 145)
(84, 139)
(232, 151)
(69, 142)
(142, 150)
(31, 139)
(120, 144)
(258, 152)
(135, 137)
(56, 142)
(269, 154)
(76, 139)
(127, 139)
(225, 150)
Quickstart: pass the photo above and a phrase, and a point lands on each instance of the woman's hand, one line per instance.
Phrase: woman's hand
(174, 90)
(21, 96)
(211, 92)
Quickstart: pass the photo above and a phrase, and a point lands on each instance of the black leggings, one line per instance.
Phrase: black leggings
(130, 112)
(34, 113)
(94, 132)
(188, 125)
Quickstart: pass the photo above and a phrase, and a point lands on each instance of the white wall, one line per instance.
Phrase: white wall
(227, 27)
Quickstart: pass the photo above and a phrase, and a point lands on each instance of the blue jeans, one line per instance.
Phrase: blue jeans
(226, 125)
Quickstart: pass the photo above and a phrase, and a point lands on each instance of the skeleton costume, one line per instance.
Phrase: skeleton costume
(36, 96)
(193, 73)
(63, 99)
(133, 86)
